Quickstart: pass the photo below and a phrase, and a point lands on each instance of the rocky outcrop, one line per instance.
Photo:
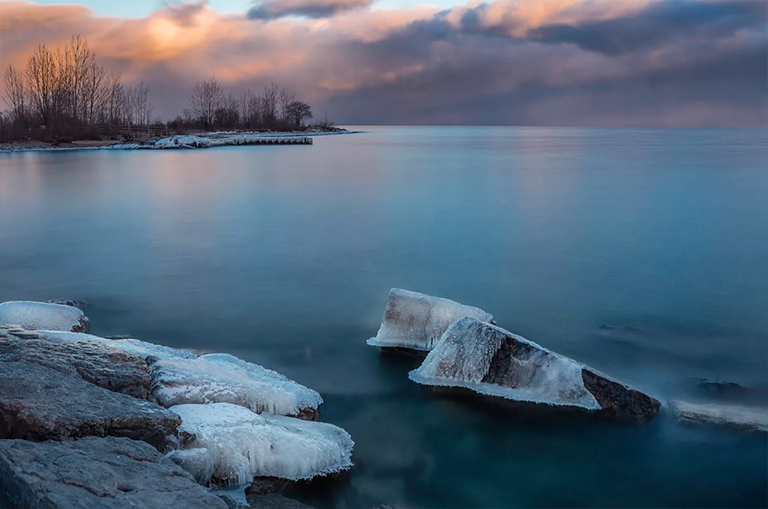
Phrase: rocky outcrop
(736, 417)
(95, 473)
(41, 403)
(43, 316)
(492, 361)
(96, 363)
(416, 321)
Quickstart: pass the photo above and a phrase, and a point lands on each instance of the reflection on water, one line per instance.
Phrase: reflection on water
(285, 255)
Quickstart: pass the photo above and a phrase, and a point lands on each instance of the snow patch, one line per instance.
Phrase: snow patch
(134, 346)
(528, 372)
(42, 315)
(244, 445)
(416, 321)
(223, 378)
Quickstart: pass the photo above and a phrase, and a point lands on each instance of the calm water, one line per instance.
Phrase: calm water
(285, 255)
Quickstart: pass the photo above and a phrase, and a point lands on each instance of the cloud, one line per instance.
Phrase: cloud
(559, 62)
(273, 9)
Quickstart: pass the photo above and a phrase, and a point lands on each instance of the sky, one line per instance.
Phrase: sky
(629, 63)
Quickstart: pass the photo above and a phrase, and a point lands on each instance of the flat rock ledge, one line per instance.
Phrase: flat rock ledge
(40, 403)
(735, 417)
(97, 363)
(492, 361)
(95, 473)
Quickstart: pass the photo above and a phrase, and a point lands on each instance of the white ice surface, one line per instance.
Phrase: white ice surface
(223, 378)
(198, 461)
(40, 315)
(244, 445)
(416, 321)
(463, 356)
(134, 346)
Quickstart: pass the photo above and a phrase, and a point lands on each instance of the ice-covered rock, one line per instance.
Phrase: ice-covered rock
(96, 363)
(41, 403)
(43, 315)
(244, 445)
(490, 360)
(104, 473)
(198, 461)
(736, 417)
(223, 378)
(130, 345)
(416, 321)
(183, 141)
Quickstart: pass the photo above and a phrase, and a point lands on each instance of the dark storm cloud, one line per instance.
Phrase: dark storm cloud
(273, 9)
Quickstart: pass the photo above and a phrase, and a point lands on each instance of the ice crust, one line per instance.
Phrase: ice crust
(41, 315)
(223, 378)
(134, 346)
(416, 321)
(464, 354)
(244, 445)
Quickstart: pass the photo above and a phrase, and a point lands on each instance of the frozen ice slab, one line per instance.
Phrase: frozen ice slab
(728, 416)
(223, 378)
(43, 315)
(134, 346)
(490, 360)
(416, 321)
(244, 445)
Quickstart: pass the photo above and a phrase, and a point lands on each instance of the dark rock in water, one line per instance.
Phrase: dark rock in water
(95, 473)
(274, 501)
(416, 321)
(79, 304)
(740, 418)
(40, 403)
(629, 329)
(96, 363)
(730, 392)
(492, 361)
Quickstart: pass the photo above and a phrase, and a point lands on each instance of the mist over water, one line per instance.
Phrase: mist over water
(643, 253)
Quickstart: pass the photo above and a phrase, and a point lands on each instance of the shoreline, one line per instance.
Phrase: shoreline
(209, 139)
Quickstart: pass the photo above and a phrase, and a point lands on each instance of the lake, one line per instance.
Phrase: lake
(643, 253)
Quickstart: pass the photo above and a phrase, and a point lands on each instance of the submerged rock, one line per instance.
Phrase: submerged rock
(43, 315)
(42, 403)
(492, 361)
(95, 473)
(223, 378)
(244, 445)
(417, 321)
(736, 417)
(96, 363)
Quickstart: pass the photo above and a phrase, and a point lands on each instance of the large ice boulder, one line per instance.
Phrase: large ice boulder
(243, 445)
(43, 315)
(223, 378)
(736, 417)
(416, 321)
(490, 360)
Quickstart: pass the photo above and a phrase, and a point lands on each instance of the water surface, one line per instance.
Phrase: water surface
(284, 256)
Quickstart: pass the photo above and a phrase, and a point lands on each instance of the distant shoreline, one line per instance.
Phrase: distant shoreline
(173, 142)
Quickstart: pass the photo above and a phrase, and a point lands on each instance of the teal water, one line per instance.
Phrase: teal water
(284, 256)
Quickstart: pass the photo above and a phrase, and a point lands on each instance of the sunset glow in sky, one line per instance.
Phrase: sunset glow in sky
(700, 63)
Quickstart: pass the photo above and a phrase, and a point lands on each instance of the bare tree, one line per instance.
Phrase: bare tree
(16, 94)
(269, 104)
(206, 98)
(42, 78)
(297, 112)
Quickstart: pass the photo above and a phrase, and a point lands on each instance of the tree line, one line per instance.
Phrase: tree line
(63, 89)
